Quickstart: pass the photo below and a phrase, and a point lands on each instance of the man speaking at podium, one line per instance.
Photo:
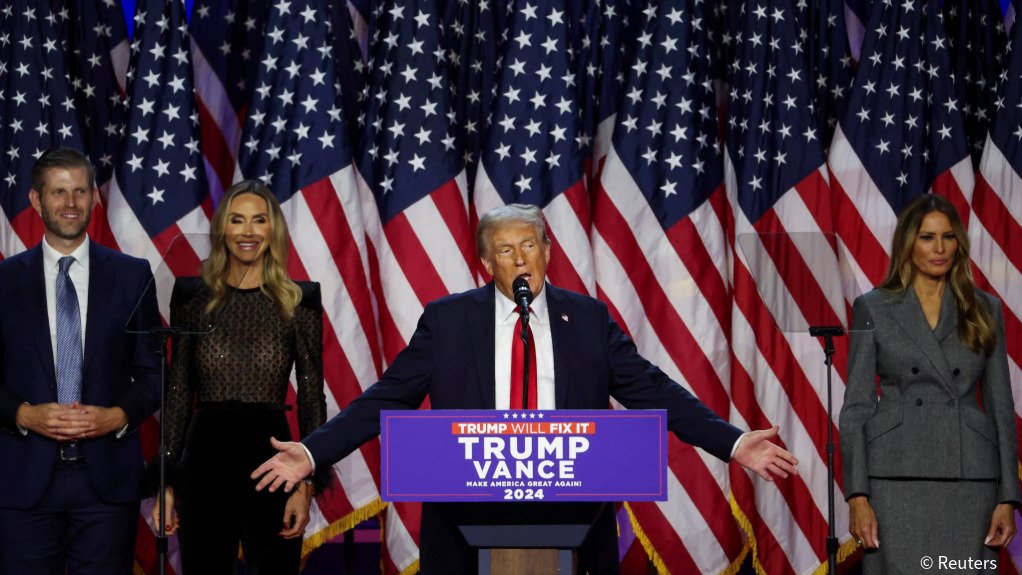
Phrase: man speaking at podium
(466, 354)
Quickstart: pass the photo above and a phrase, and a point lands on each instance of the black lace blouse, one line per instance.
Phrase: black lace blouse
(245, 359)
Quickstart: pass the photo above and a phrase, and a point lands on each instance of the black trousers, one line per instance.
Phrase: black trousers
(218, 504)
(71, 530)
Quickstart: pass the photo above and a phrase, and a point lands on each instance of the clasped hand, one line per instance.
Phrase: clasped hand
(70, 422)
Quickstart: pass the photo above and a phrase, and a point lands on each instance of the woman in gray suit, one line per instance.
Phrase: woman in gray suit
(930, 464)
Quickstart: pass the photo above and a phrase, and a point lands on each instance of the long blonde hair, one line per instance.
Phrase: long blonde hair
(975, 321)
(276, 284)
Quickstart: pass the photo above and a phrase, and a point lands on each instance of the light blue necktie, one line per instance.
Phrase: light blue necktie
(69, 337)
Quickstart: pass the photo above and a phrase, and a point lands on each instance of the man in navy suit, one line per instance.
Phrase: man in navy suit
(74, 386)
(461, 356)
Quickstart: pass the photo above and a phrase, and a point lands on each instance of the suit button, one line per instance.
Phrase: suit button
(915, 371)
(919, 402)
(955, 371)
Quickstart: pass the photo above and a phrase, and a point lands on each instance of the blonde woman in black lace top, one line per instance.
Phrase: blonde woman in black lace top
(228, 389)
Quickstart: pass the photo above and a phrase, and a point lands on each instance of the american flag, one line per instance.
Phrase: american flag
(384, 237)
(856, 17)
(903, 133)
(471, 37)
(295, 140)
(37, 112)
(618, 21)
(411, 178)
(158, 187)
(976, 41)
(995, 230)
(825, 38)
(96, 38)
(536, 147)
(660, 252)
(227, 37)
(776, 182)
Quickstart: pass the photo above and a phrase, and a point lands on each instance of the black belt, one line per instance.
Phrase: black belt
(69, 451)
(242, 405)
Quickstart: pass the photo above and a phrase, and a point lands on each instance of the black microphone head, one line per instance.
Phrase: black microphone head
(520, 289)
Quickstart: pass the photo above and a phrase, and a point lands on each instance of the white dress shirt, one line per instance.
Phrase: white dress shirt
(79, 272)
(505, 322)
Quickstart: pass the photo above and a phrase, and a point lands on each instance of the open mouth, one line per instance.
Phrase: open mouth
(248, 245)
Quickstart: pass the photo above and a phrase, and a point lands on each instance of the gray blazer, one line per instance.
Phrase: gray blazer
(927, 422)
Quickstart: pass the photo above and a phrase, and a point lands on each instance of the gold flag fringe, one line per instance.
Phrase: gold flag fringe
(844, 551)
(343, 524)
(412, 568)
(658, 561)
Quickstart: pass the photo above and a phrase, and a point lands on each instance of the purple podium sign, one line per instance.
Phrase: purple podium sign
(556, 455)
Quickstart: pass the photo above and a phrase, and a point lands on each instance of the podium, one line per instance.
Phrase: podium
(535, 538)
(524, 488)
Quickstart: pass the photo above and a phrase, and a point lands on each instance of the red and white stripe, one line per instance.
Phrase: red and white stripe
(418, 256)
(866, 222)
(220, 127)
(995, 234)
(778, 377)
(669, 291)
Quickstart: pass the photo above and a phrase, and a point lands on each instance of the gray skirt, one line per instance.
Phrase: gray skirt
(920, 521)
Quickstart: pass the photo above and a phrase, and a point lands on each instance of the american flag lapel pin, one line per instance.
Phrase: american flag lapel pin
(564, 316)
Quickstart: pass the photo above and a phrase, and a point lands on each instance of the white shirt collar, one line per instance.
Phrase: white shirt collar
(51, 257)
(507, 310)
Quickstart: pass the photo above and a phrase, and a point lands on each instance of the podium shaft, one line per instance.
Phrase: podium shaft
(526, 561)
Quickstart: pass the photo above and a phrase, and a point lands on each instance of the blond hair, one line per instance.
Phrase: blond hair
(276, 284)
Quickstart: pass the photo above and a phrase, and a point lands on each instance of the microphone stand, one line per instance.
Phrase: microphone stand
(165, 334)
(523, 312)
(828, 333)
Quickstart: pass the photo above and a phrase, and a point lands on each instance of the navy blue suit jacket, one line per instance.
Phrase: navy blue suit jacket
(450, 358)
(120, 369)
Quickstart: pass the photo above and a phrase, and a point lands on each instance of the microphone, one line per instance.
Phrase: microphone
(522, 293)
(523, 297)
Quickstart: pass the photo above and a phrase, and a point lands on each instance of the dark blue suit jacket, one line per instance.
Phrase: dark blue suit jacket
(120, 369)
(450, 358)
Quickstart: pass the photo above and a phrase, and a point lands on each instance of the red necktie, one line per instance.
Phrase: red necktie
(517, 355)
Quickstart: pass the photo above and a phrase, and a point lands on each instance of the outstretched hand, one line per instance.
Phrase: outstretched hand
(767, 459)
(289, 466)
